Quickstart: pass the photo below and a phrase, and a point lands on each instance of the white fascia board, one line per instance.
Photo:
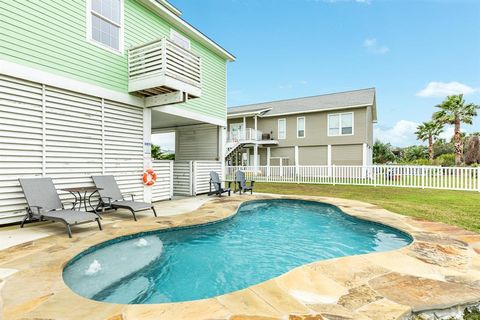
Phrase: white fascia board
(35, 75)
(191, 115)
(182, 25)
(247, 113)
(315, 110)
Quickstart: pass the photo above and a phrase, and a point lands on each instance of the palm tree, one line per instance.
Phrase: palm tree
(430, 131)
(454, 110)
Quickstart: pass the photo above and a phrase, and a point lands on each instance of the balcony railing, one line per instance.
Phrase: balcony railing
(244, 135)
(162, 66)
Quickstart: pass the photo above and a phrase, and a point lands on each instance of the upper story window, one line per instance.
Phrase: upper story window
(105, 23)
(301, 127)
(179, 39)
(282, 128)
(340, 124)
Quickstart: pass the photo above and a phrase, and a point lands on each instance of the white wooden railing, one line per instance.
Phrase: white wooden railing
(163, 57)
(248, 134)
(163, 188)
(426, 177)
(193, 177)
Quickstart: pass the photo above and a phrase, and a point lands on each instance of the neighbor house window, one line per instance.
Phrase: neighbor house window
(301, 127)
(179, 39)
(105, 23)
(282, 128)
(340, 124)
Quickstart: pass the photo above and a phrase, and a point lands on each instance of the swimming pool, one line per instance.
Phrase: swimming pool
(265, 239)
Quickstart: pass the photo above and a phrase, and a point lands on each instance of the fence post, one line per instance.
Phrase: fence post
(374, 176)
(478, 178)
(423, 177)
(333, 174)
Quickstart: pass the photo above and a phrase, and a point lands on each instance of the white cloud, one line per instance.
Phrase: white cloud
(447, 133)
(371, 44)
(166, 141)
(442, 89)
(402, 134)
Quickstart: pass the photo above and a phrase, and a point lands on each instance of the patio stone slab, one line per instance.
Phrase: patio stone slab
(440, 269)
(421, 293)
(384, 309)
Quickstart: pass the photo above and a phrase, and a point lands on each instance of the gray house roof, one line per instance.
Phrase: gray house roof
(331, 101)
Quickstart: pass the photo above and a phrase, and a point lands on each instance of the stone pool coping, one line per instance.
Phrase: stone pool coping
(439, 269)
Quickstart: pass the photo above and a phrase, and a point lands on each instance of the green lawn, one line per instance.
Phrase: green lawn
(459, 208)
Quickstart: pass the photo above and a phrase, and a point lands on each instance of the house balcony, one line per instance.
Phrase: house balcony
(249, 136)
(162, 67)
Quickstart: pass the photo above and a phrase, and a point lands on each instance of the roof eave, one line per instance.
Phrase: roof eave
(317, 110)
(184, 26)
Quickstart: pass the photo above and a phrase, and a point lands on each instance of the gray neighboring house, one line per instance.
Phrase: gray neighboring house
(329, 129)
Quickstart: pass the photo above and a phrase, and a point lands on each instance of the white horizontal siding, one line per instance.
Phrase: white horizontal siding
(163, 187)
(21, 141)
(124, 146)
(72, 155)
(197, 143)
(182, 178)
(46, 131)
(202, 171)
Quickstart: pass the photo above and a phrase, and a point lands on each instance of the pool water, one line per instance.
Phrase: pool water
(265, 239)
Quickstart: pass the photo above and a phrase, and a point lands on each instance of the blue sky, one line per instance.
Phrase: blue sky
(413, 52)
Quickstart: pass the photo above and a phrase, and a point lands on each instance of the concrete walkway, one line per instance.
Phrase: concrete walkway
(13, 235)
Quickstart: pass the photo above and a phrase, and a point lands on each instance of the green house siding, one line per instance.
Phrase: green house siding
(51, 36)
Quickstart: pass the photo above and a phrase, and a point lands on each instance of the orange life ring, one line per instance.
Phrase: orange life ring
(149, 177)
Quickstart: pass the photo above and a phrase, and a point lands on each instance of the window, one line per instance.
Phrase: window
(301, 127)
(105, 24)
(179, 39)
(282, 128)
(340, 124)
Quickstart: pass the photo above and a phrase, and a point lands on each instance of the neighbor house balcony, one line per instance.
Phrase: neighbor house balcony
(250, 135)
(161, 67)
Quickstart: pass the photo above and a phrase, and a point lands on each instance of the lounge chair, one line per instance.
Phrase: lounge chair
(111, 197)
(217, 184)
(242, 182)
(44, 204)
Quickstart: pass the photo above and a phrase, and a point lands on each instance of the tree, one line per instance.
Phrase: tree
(472, 155)
(382, 153)
(455, 111)
(156, 152)
(429, 131)
(413, 153)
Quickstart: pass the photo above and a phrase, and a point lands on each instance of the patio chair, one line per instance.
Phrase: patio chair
(217, 184)
(242, 182)
(111, 197)
(44, 204)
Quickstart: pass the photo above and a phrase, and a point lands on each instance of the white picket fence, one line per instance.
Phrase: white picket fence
(425, 177)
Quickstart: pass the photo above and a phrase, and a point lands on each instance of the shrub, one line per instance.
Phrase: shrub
(446, 160)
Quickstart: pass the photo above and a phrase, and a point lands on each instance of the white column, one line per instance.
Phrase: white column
(147, 148)
(222, 137)
(329, 159)
(255, 118)
(297, 160)
(255, 157)
(364, 160)
(268, 161)
(244, 133)
(248, 156)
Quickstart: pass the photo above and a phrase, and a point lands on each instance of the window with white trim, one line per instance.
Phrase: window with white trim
(105, 23)
(301, 127)
(182, 41)
(340, 124)
(282, 128)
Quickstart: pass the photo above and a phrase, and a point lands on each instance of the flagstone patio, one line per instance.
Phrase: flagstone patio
(439, 270)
